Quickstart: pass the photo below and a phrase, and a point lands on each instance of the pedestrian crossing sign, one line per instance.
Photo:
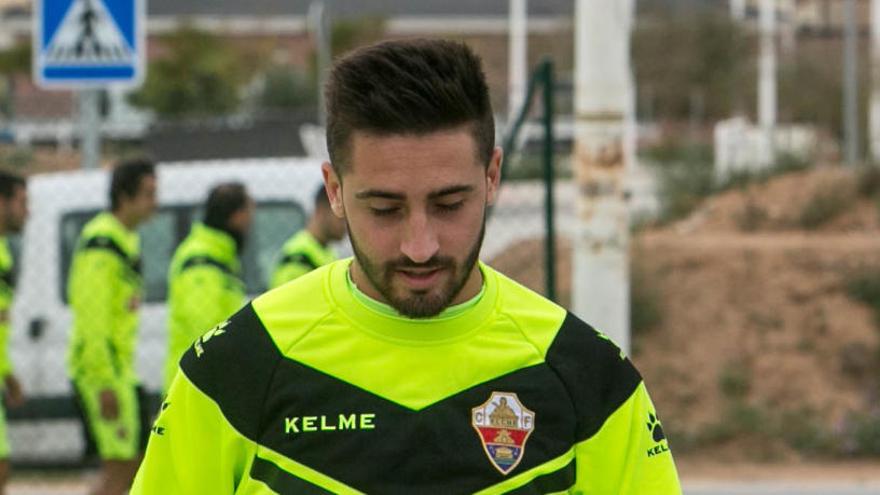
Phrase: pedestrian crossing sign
(88, 43)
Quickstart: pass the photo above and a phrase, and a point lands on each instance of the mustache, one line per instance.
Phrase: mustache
(436, 262)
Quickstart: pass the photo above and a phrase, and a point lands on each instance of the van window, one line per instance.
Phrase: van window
(274, 222)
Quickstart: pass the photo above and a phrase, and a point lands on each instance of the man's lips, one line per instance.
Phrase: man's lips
(420, 278)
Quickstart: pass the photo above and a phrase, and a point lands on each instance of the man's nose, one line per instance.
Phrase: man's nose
(419, 242)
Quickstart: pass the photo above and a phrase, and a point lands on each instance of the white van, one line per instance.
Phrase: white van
(60, 204)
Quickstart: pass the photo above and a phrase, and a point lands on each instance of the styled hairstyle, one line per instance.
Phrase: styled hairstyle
(127, 178)
(9, 182)
(223, 201)
(414, 86)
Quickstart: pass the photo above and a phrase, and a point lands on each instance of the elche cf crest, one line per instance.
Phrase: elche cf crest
(503, 425)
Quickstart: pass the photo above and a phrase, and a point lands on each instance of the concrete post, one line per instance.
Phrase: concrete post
(603, 108)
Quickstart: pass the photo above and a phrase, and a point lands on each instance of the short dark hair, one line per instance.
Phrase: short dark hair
(127, 178)
(223, 201)
(414, 86)
(9, 182)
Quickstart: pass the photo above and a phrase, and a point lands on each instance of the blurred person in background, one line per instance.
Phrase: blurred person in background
(413, 367)
(204, 279)
(309, 248)
(104, 289)
(13, 214)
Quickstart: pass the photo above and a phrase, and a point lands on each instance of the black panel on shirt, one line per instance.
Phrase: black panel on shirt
(596, 377)
(7, 278)
(435, 450)
(235, 369)
(281, 481)
(298, 259)
(196, 261)
(557, 481)
(107, 243)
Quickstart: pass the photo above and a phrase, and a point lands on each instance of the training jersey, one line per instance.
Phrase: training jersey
(205, 288)
(7, 287)
(307, 390)
(104, 290)
(301, 254)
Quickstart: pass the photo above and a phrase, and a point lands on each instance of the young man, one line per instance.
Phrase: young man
(205, 275)
(104, 290)
(13, 214)
(308, 249)
(412, 368)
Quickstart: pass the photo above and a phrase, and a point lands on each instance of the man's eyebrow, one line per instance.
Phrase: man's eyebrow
(378, 193)
(451, 190)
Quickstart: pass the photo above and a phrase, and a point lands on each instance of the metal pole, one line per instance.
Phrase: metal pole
(90, 128)
(767, 81)
(603, 80)
(549, 177)
(517, 56)
(850, 85)
(875, 81)
(318, 23)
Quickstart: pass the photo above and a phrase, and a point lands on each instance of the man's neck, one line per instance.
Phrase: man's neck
(126, 220)
(314, 229)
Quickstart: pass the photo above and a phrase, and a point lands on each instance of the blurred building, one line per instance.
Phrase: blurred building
(816, 16)
(279, 31)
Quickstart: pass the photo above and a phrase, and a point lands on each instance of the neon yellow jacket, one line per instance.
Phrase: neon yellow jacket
(301, 254)
(104, 291)
(7, 287)
(308, 390)
(205, 288)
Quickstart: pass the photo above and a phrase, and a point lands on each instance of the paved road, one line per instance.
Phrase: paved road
(782, 488)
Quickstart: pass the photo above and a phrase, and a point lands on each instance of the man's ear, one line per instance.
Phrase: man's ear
(493, 175)
(333, 186)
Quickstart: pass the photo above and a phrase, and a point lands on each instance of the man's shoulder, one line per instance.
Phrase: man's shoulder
(597, 374)
(104, 233)
(295, 306)
(194, 253)
(233, 364)
(299, 241)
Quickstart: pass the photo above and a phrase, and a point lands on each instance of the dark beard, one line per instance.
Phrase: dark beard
(419, 305)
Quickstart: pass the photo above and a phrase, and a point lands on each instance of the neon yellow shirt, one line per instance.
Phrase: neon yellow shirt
(7, 287)
(301, 254)
(205, 288)
(104, 290)
(307, 390)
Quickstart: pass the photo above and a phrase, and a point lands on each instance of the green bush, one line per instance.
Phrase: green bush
(646, 307)
(734, 380)
(825, 205)
(862, 434)
(864, 286)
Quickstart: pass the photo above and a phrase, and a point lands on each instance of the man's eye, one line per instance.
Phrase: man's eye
(383, 212)
(450, 206)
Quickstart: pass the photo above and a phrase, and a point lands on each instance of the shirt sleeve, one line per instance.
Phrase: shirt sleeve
(209, 297)
(192, 448)
(205, 297)
(93, 293)
(629, 455)
(5, 362)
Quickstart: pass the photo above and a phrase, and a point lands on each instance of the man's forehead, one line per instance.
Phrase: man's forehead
(436, 193)
(461, 139)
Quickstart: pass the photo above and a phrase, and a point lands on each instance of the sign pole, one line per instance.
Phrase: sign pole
(89, 127)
